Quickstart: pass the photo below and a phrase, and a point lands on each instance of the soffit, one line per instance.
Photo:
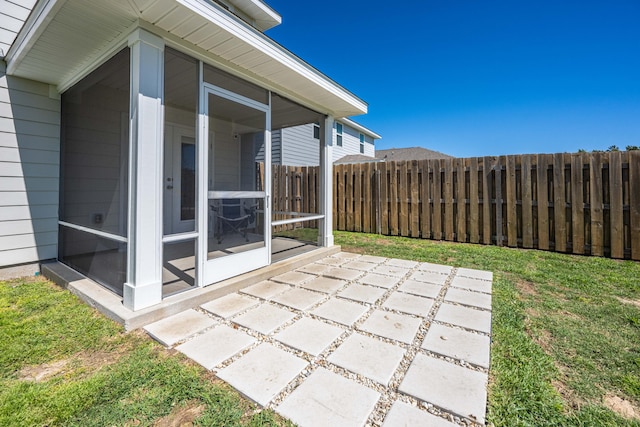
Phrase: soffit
(63, 38)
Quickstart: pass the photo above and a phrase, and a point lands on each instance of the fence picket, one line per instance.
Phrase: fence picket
(357, 198)
(634, 203)
(474, 201)
(436, 219)
(542, 174)
(425, 199)
(393, 198)
(577, 203)
(403, 188)
(487, 175)
(461, 201)
(527, 202)
(616, 213)
(511, 198)
(414, 226)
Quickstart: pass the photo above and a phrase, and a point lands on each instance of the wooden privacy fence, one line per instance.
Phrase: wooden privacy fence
(295, 189)
(585, 203)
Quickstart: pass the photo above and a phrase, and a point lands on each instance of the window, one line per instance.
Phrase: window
(339, 134)
(316, 131)
(362, 143)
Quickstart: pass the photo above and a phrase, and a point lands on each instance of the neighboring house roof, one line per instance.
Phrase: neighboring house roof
(411, 153)
(355, 158)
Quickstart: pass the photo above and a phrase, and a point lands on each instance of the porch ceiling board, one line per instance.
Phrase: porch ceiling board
(61, 47)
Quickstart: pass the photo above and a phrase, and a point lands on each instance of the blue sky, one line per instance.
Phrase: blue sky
(475, 78)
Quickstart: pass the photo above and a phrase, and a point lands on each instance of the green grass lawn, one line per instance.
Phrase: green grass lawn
(565, 350)
(61, 363)
(566, 330)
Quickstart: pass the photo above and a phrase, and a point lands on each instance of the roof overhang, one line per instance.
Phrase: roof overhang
(263, 15)
(361, 128)
(63, 40)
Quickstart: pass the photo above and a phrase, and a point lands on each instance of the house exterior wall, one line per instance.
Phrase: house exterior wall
(29, 170)
(300, 148)
(12, 17)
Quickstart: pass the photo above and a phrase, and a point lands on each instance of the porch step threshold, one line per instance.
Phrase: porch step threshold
(110, 304)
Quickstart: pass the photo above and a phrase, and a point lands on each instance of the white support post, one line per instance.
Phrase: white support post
(144, 273)
(326, 182)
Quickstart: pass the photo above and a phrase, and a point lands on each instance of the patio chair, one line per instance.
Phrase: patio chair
(232, 217)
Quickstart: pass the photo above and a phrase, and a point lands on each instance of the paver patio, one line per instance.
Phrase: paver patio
(350, 340)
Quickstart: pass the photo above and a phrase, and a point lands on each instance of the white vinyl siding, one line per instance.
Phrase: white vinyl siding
(12, 17)
(29, 170)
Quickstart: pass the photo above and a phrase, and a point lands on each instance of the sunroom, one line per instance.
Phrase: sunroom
(167, 109)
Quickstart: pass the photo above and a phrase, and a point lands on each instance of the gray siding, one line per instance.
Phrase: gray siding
(350, 144)
(12, 16)
(299, 147)
(29, 170)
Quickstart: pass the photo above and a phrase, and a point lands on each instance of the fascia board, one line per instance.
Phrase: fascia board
(360, 128)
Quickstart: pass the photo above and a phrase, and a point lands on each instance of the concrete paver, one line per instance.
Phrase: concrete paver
(314, 268)
(458, 344)
(466, 317)
(265, 289)
(346, 255)
(390, 270)
(359, 265)
(373, 259)
(340, 311)
(404, 263)
(300, 299)
(263, 372)
(265, 318)
(320, 401)
(403, 414)
(429, 277)
(436, 268)
(229, 305)
(343, 273)
(309, 335)
(474, 299)
(216, 345)
(407, 303)
(293, 277)
(362, 293)
(333, 261)
(324, 284)
(379, 280)
(178, 327)
(472, 284)
(452, 387)
(475, 274)
(368, 356)
(400, 327)
(422, 289)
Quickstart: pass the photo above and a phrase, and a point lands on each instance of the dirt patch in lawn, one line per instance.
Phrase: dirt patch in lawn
(527, 288)
(568, 395)
(630, 301)
(622, 407)
(88, 361)
(182, 416)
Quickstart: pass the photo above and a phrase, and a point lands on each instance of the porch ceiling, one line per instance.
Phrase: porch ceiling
(63, 39)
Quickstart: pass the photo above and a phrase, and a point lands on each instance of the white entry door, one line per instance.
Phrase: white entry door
(180, 179)
(235, 234)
